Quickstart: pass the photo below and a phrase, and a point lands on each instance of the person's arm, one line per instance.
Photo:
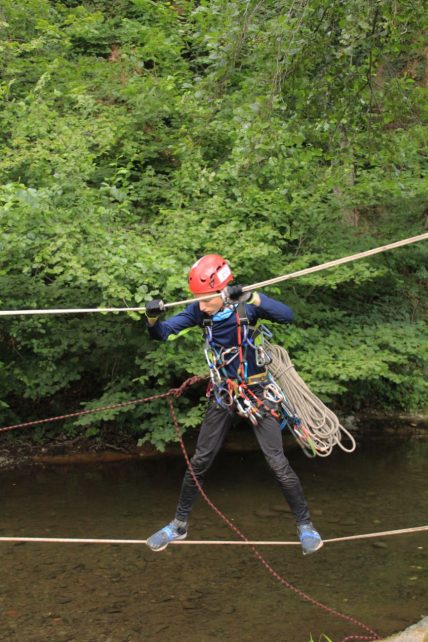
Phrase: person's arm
(160, 330)
(271, 309)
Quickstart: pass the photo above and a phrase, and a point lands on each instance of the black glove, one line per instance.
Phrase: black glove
(235, 294)
(155, 308)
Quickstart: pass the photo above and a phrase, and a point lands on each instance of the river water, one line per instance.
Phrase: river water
(113, 593)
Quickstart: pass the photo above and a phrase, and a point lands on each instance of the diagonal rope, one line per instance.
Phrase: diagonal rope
(277, 576)
(177, 392)
(247, 288)
(133, 402)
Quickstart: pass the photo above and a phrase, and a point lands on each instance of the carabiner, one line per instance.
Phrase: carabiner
(273, 393)
(223, 396)
(263, 358)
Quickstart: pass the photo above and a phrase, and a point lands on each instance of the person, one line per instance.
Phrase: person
(239, 384)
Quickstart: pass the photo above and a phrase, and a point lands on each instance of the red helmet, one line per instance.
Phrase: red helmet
(210, 274)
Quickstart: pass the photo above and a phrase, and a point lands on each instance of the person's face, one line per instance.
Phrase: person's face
(212, 305)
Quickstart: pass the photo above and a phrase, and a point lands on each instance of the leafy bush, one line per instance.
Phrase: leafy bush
(137, 135)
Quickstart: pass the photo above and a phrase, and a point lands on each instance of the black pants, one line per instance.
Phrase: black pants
(216, 423)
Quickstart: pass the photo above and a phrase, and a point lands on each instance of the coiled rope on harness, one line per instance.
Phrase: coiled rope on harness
(316, 428)
(329, 431)
(280, 392)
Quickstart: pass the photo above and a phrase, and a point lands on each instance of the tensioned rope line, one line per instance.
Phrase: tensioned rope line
(204, 542)
(247, 288)
(177, 393)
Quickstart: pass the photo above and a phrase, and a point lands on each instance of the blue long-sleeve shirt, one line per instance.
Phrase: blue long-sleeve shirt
(224, 331)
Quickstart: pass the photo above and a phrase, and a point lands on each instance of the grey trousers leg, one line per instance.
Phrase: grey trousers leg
(268, 434)
(214, 428)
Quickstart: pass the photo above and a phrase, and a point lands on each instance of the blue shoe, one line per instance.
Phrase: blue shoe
(175, 530)
(310, 539)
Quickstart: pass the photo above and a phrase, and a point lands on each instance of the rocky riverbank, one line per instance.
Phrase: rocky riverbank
(415, 633)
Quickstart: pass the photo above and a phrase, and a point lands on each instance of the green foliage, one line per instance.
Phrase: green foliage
(137, 135)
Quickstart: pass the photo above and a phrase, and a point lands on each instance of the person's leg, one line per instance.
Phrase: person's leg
(213, 430)
(268, 434)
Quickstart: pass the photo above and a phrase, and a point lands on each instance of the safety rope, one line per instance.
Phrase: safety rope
(206, 542)
(317, 429)
(174, 391)
(258, 555)
(247, 288)
(177, 392)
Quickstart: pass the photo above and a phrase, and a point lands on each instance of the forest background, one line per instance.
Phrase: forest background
(136, 136)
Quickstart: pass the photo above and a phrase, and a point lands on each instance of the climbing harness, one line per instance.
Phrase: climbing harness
(250, 405)
(314, 437)
(281, 392)
(237, 394)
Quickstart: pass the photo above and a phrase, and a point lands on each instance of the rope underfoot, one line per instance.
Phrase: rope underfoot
(177, 392)
(207, 542)
(260, 558)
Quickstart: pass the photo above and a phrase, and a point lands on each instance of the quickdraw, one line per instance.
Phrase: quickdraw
(237, 395)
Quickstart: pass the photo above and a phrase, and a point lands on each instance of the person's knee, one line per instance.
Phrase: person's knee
(200, 463)
(280, 466)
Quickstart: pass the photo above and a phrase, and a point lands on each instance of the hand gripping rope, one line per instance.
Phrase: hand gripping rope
(323, 427)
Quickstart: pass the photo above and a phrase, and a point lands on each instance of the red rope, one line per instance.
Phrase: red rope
(177, 392)
(261, 559)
